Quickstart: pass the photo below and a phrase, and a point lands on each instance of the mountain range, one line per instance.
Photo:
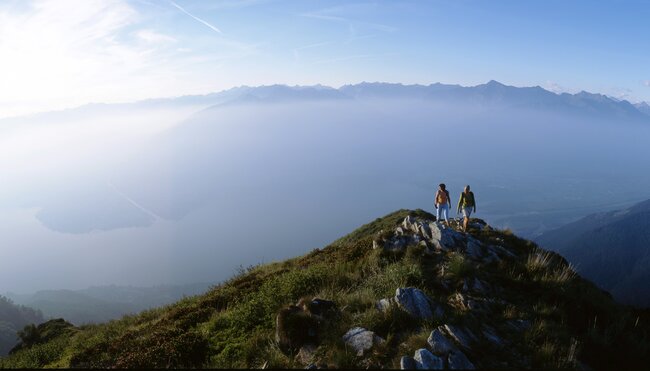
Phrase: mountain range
(103, 303)
(492, 93)
(611, 248)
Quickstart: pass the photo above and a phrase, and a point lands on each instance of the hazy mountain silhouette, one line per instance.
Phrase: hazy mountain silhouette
(612, 249)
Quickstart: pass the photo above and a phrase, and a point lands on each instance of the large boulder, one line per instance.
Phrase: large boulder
(425, 360)
(298, 325)
(293, 328)
(414, 302)
(361, 340)
(442, 236)
(439, 344)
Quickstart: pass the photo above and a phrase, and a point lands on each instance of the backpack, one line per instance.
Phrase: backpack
(442, 197)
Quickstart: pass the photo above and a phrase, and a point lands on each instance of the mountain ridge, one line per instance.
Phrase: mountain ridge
(610, 248)
(490, 92)
(401, 285)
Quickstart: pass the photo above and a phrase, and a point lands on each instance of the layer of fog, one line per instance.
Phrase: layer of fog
(148, 197)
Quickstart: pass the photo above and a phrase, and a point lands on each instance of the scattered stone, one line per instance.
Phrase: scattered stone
(384, 305)
(457, 360)
(439, 344)
(414, 301)
(375, 245)
(463, 337)
(407, 363)
(425, 360)
(361, 340)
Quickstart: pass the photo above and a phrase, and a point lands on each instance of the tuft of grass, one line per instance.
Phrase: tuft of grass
(458, 267)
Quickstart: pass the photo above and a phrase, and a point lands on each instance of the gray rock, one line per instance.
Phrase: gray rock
(425, 360)
(406, 223)
(414, 302)
(457, 360)
(425, 231)
(474, 248)
(407, 363)
(463, 337)
(361, 340)
(376, 245)
(439, 344)
(384, 305)
(443, 237)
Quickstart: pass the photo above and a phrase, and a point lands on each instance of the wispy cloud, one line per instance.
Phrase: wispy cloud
(206, 23)
(342, 14)
(646, 83)
(153, 37)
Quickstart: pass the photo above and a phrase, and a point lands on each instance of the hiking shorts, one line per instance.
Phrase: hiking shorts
(467, 211)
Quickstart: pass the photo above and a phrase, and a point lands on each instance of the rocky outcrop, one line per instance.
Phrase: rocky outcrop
(361, 340)
(434, 237)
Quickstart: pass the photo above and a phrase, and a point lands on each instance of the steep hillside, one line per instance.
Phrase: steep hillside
(402, 291)
(12, 319)
(612, 249)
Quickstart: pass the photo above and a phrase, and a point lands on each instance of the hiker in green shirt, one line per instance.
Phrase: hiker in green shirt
(467, 204)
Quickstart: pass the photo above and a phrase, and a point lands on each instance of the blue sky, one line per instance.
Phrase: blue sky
(64, 53)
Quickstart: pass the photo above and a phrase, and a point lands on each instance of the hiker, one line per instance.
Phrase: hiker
(467, 204)
(442, 202)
